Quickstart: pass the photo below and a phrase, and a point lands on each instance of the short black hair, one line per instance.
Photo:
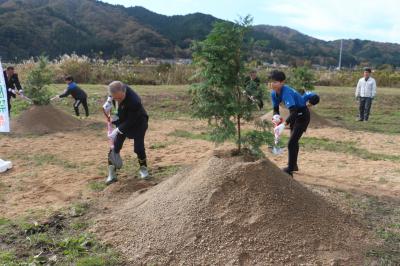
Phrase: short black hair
(10, 68)
(368, 69)
(69, 78)
(277, 75)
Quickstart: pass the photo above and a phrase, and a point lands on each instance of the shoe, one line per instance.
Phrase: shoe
(296, 168)
(360, 119)
(286, 170)
(144, 173)
(112, 175)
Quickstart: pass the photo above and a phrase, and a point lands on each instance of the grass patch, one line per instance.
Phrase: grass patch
(43, 158)
(46, 158)
(7, 258)
(165, 171)
(104, 260)
(159, 145)
(40, 240)
(18, 106)
(389, 235)
(338, 103)
(382, 180)
(60, 239)
(97, 186)
(347, 147)
(79, 225)
(190, 135)
(79, 209)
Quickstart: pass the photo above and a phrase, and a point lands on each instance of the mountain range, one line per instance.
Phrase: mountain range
(93, 28)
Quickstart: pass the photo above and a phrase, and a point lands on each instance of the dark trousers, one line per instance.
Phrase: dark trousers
(138, 143)
(9, 104)
(365, 107)
(296, 131)
(85, 106)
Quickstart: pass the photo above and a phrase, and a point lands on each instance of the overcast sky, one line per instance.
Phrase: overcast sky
(377, 20)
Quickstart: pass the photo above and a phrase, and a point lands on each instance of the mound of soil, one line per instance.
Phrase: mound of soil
(44, 119)
(316, 121)
(231, 211)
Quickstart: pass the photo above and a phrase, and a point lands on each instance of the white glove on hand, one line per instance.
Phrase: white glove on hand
(114, 133)
(107, 106)
(276, 119)
(278, 130)
(114, 118)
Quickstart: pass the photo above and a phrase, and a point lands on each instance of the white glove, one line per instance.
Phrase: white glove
(107, 106)
(114, 133)
(276, 119)
(114, 118)
(278, 130)
(55, 97)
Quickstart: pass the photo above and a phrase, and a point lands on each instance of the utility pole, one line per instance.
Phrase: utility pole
(340, 55)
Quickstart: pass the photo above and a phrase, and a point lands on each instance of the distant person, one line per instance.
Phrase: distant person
(252, 83)
(131, 123)
(13, 85)
(77, 93)
(365, 93)
(298, 119)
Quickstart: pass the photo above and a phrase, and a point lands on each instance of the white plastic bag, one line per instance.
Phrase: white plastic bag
(5, 165)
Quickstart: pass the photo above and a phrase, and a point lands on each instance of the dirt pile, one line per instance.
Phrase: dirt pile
(231, 211)
(316, 121)
(42, 120)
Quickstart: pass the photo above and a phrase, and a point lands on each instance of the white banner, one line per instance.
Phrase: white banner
(4, 117)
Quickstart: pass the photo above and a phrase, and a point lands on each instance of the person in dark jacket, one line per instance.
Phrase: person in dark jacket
(12, 85)
(77, 93)
(299, 116)
(131, 123)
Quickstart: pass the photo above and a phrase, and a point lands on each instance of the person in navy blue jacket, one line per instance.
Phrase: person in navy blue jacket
(298, 119)
(132, 123)
(12, 85)
(77, 93)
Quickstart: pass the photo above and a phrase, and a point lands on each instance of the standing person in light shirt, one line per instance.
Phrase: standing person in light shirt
(365, 93)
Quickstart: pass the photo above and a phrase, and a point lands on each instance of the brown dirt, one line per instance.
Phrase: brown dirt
(52, 171)
(231, 211)
(316, 121)
(43, 120)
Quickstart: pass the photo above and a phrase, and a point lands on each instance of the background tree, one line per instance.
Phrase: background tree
(302, 79)
(38, 81)
(220, 59)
